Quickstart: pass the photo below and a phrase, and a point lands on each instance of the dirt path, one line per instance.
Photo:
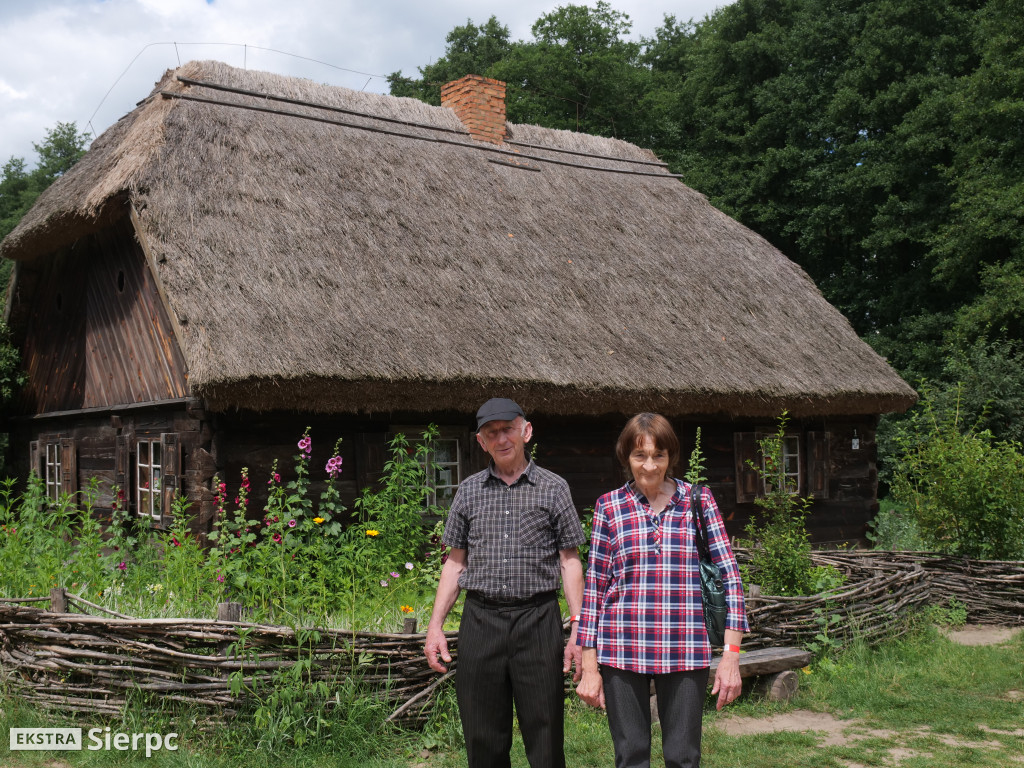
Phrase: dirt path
(836, 732)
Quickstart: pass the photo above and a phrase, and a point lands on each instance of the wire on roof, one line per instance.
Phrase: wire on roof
(342, 110)
(434, 139)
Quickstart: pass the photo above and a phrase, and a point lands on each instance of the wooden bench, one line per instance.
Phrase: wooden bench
(773, 670)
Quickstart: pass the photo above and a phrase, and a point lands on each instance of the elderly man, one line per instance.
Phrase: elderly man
(513, 530)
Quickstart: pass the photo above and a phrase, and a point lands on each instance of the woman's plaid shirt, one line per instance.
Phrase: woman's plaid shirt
(642, 602)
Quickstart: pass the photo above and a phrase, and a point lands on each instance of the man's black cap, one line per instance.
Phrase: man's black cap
(498, 409)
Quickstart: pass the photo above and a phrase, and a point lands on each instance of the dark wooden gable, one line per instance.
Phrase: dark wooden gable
(95, 329)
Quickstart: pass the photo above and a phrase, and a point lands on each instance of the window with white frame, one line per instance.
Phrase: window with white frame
(148, 474)
(54, 471)
(444, 471)
(791, 463)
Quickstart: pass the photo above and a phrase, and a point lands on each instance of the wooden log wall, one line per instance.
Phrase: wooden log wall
(581, 450)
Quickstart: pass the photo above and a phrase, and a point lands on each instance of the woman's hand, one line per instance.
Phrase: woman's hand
(591, 687)
(728, 683)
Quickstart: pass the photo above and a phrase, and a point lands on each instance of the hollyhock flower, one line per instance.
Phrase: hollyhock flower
(277, 538)
(291, 523)
(305, 444)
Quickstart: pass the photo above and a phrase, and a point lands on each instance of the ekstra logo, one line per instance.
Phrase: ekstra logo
(23, 739)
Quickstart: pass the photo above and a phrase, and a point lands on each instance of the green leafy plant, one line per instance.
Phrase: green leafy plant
(695, 470)
(780, 548)
(964, 489)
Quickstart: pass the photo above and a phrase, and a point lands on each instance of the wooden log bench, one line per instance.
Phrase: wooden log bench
(774, 671)
(773, 668)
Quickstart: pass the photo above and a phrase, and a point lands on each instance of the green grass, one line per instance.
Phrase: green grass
(920, 701)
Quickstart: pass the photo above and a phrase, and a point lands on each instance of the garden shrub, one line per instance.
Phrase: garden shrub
(297, 561)
(964, 488)
(780, 549)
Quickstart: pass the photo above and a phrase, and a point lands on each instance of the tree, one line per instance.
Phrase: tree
(471, 50)
(62, 147)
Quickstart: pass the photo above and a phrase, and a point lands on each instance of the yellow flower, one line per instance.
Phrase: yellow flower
(406, 609)
(372, 532)
(806, 670)
(318, 520)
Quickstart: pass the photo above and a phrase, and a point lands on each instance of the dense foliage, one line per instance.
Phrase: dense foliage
(878, 143)
(964, 489)
(298, 560)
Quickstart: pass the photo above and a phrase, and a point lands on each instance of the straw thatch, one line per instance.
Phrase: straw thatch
(354, 270)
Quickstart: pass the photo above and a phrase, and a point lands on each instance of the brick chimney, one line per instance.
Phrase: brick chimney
(479, 103)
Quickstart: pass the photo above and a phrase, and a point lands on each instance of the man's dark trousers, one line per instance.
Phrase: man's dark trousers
(506, 654)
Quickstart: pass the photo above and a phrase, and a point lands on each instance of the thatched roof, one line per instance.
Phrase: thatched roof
(321, 266)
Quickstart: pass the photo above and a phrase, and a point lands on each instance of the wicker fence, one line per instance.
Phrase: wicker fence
(80, 662)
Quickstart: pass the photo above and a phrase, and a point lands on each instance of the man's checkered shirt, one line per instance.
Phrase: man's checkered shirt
(642, 602)
(512, 533)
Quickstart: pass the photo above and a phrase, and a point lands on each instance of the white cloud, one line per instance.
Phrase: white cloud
(61, 57)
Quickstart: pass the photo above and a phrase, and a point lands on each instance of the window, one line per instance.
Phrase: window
(444, 471)
(790, 469)
(806, 466)
(148, 466)
(54, 461)
(53, 475)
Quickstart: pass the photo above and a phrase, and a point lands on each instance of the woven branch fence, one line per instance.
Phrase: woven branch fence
(85, 663)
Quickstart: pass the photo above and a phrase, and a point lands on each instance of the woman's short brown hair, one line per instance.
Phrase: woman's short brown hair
(652, 425)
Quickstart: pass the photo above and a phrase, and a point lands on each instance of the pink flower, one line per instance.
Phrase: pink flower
(291, 523)
(220, 579)
(394, 575)
(383, 582)
(175, 542)
(305, 444)
(409, 566)
(122, 566)
(333, 465)
(277, 538)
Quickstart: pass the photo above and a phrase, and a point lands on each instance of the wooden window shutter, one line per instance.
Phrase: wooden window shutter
(818, 465)
(122, 452)
(35, 458)
(372, 455)
(68, 466)
(748, 480)
(170, 483)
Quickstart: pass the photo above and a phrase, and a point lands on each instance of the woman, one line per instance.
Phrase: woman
(642, 614)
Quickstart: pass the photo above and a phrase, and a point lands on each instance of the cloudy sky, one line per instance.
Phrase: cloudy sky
(90, 61)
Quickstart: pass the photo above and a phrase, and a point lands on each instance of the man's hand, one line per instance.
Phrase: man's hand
(573, 655)
(437, 646)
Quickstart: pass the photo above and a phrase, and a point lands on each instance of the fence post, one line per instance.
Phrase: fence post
(229, 611)
(58, 600)
(409, 625)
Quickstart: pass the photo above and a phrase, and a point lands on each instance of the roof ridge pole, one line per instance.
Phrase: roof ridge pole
(479, 102)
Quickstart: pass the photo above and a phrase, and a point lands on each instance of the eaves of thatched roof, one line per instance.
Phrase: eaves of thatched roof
(329, 261)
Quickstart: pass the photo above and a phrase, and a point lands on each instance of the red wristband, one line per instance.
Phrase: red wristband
(575, 618)
(731, 649)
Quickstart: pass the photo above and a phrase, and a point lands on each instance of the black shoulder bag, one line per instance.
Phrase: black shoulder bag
(711, 585)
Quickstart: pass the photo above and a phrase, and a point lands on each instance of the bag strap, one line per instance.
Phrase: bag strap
(697, 511)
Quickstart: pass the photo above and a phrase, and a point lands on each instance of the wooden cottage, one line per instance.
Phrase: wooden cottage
(246, 254)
